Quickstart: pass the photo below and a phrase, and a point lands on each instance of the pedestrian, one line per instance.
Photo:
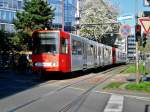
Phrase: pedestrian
(22, 63)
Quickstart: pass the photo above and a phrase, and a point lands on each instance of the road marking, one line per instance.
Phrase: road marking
(130, 96)
(115, 104)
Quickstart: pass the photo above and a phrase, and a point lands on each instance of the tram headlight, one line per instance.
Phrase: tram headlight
(46, 64)
(38, 64)
(54, 64)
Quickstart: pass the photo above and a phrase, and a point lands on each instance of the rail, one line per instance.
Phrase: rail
(86, 93)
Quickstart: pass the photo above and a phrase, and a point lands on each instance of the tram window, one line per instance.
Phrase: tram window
(43, 46)
(44, 43)
(106, 52)
(89, 50)
(92, 50)
(95, 51)
(76, 47)
(64, 46)
(99, 51)
(45, 49)
(109, 52)
(79, 48)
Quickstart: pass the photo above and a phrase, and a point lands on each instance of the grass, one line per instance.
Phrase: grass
(114, 85)
(141, 87)
(132, 69)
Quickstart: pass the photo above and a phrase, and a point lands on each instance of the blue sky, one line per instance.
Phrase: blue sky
(127, 7)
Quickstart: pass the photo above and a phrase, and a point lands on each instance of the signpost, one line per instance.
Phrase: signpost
(145, 22)
(125, 30)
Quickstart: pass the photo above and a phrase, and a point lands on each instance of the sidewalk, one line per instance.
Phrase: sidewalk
(122, 91)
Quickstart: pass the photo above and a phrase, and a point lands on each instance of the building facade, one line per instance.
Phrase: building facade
(70, 9)
(131, 47)
(8, 10)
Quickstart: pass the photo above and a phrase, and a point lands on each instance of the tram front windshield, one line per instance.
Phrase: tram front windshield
(45, 42)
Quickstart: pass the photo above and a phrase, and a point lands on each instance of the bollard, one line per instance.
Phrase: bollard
(146, 108)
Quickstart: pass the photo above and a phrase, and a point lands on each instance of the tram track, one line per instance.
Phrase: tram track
(81, 99)
(71, 83)
(84, 77)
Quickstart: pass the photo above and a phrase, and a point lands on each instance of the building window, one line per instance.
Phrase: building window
(19, 4)
(10, 4)
(1, 3)
(15, 4)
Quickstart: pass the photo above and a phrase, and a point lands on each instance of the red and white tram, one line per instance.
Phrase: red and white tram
(59, 51)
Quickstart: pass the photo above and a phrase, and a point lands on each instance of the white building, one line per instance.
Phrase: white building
(131, 47)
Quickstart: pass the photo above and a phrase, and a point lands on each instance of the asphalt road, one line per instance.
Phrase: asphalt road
(25, 93)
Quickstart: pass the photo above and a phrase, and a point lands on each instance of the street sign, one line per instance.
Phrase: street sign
(127, 17)
(125, 30)
(145, 22)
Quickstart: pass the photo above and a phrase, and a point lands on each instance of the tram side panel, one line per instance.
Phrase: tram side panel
(90, 54)
(85, 52)
(106, 55)
(77, 61)
(95, 55)
(109, 53)
(98, 55)
(101, 55)
(118, 56)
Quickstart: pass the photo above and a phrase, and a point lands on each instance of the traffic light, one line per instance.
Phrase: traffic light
(144, 39)
(137, 32)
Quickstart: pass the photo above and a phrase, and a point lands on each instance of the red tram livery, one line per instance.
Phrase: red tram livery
(59, 51)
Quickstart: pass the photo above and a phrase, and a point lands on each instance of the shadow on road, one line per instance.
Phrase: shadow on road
(12, 83)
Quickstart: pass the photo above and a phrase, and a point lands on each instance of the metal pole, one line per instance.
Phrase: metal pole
(137, 55)
(146, 108)
(137, 65)
(62, 15)
(144, 63)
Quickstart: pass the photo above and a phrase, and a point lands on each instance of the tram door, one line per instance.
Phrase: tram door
(84, 55)
(65, 59)
(95, 56)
